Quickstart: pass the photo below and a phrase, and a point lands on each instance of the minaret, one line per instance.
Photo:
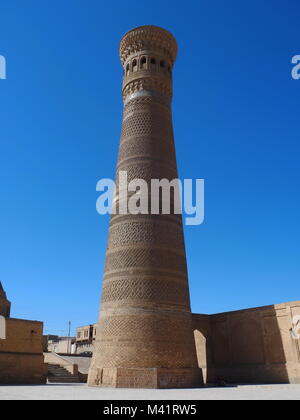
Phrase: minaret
(4, 303)
(145, 337)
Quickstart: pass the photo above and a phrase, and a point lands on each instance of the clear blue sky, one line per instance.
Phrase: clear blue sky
(236, 119)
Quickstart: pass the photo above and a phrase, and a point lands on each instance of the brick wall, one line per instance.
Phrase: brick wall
(253, 345)
(21, 353)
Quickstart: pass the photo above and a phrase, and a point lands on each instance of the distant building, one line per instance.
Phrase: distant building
(82, 343)
(85, 337)
(58, 344)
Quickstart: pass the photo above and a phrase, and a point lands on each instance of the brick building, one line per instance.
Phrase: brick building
(21, 348)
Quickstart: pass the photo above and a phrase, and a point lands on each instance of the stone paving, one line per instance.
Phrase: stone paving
(83, 392)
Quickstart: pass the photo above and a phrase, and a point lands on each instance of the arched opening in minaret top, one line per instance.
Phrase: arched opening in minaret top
(153, 63)
(143, 63)
(134, 65)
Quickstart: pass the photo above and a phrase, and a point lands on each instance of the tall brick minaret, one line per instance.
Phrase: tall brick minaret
(145, 337)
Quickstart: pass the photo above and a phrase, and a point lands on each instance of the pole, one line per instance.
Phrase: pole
(69, 334)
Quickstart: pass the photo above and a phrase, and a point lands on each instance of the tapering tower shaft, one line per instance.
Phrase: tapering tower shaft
(145, 337)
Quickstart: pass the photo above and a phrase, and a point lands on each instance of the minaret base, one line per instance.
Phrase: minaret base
(156, 378)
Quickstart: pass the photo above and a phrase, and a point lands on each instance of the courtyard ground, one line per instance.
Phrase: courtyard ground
(83, 392)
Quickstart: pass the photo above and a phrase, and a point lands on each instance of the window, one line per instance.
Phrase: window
(143, 63)
(152, 63)
(134, 65)
(162, 63)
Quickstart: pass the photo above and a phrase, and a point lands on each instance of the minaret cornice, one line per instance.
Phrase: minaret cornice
(148, 38)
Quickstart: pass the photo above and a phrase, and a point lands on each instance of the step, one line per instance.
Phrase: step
(64, 381)
(62, 378)
(67, 375)
(57, 373)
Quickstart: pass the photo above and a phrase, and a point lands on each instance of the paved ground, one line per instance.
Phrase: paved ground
(82, 392)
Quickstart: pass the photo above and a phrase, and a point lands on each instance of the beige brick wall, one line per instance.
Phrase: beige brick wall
(251, 345)
(21, 353)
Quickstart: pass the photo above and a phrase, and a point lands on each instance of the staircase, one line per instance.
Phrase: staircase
(57, 373)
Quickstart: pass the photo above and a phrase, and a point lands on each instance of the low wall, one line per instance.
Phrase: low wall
(254, 345)
(21, 368)
(21, 356)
